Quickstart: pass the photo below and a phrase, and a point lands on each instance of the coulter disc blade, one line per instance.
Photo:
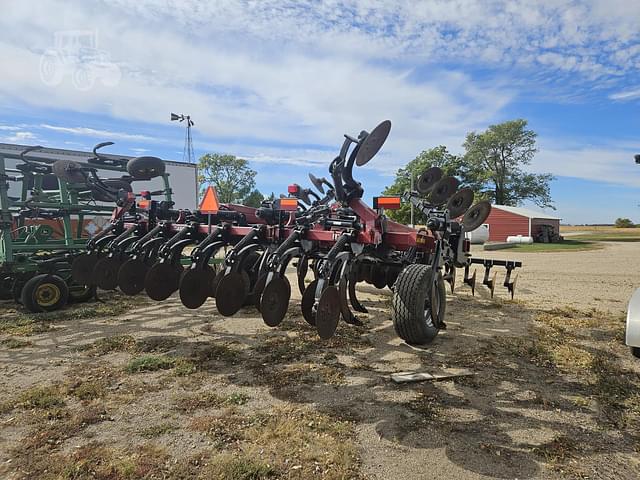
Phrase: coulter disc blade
(275, 301)
(308, 299)
(373, 143)
(328, 313)
(161, 281)
(230, 294)
(476, 215)
(460, 202)
(194, 286)
(105, 273)
(82, 268)
(428, 179)
(443, 190)
(131, 276)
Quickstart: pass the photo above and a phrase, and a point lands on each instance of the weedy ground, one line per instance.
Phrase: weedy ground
(132, 389)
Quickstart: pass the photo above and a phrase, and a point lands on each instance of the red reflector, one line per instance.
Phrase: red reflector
(144, 204)
(390, 203)
(293, 188)
(288, 204)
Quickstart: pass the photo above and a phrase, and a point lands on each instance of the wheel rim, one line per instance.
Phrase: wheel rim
(47, 294)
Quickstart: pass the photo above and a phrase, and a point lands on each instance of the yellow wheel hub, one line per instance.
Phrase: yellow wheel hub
(47, 294)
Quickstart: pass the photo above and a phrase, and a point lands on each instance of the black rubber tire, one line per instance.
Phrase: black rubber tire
(31, 299)
(146, 167)
(412, 296)
(635, 351)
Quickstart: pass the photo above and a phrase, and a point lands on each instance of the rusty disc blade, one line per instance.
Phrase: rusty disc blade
(131, 276)
(230, 294)
(308, 299)
(476, 215)
(428, 179)
(328, 312)
(161, 281)
(275, 301)
(82, 268)
(105, 273)
(443, 190)
(194, 286)
(373, 143)
(460, 202)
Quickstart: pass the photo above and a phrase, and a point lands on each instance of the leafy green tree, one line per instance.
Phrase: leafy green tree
(624, 223)
(231, 176)
(435, 157)
(254, 199)
(496, 159)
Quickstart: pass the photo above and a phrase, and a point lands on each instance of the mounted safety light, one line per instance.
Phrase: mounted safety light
(388, 203)
(293, 189)
(288, 204)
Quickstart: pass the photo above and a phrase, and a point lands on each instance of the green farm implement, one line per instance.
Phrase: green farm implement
(49, 208)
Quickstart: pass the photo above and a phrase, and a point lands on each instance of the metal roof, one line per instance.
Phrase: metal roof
(525, 212)
(60, 153)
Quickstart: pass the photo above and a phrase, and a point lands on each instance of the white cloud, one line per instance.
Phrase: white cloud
(20, 137)
(279, 81)
(92, 132)
(626, 95)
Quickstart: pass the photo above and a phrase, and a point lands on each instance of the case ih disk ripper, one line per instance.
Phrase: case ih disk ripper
(332, 234)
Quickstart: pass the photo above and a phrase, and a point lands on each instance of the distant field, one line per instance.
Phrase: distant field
(601, 233)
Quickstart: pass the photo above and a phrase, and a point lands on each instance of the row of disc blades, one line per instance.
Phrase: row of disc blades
(440, 190)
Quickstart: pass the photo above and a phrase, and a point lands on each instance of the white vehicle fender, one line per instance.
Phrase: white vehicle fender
(632, 337)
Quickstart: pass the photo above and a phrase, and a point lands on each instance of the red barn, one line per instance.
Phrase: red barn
(507, 221)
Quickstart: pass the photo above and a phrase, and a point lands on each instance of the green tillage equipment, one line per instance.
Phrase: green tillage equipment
(35, 268)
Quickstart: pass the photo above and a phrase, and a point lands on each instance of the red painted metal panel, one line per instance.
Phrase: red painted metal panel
(503, 224)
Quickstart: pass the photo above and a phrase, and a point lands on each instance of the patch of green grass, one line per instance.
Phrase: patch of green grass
(14, 343)
(184, 367)
(149, 363)
(23, 325)
(620, 236)
(566, 245)
(89, 389)
(42, 397)
(198, 401)
(116, 343)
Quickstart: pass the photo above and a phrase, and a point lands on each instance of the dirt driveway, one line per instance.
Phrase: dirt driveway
(136, 389)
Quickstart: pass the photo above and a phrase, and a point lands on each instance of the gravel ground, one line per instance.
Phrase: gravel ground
(603, 278)
(555, 395)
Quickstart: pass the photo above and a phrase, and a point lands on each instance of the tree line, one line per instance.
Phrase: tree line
(493, 165)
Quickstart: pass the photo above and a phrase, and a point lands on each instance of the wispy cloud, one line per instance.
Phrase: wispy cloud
(626, 95)
(20, 137)
(92, 132)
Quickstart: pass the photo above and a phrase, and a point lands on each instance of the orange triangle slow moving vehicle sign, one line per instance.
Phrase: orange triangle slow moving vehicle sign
(209, 204)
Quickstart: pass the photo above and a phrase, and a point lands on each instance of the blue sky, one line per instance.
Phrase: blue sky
(278, 82)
